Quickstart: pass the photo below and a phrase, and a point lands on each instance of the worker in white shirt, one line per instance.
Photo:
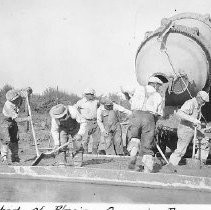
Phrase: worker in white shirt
(190, 114)
(9, 128)
(67, 125)
(146, 105)
(108, 121)
(87, 107)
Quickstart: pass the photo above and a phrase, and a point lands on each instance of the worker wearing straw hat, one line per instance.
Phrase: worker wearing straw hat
(67, 123)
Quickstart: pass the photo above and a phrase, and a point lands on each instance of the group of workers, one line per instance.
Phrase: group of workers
(99, 119)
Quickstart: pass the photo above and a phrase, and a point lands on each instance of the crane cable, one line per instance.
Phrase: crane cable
(178, 74)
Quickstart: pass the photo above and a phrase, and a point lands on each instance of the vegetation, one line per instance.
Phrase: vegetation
(42, 103)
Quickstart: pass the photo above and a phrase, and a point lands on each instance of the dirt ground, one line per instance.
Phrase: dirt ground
(41, 123)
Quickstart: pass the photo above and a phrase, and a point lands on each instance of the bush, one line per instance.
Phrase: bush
(42, 103)
(49, 98)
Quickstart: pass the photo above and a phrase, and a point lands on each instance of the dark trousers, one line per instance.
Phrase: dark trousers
(9, 138)
(142, 126)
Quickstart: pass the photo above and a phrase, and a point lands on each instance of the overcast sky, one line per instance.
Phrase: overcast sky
(77, 44)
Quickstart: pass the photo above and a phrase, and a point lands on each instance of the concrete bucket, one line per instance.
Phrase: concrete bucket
(178, 53)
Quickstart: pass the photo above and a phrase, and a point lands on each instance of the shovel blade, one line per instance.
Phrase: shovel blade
(38, 159)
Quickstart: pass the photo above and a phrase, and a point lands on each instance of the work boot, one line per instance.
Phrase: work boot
(94, 151)
(78, 159)
(126, 153)
(132, 163)
(4, 160)
(148, 162)
(102, 152)
(61, 159)
(15, 159)
(171, 168)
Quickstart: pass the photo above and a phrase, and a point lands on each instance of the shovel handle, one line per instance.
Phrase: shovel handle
(57, 149)
(32, 126)
(164, 157)
(194, 142)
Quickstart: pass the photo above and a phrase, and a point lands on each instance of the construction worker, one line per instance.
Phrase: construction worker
(87, 107)
(146, 105)
(190, 115)
(67, 124)
(109, 124)
(9, 129)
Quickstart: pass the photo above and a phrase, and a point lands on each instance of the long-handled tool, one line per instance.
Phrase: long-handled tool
(51, 153)
(163, 156)
(32, 128)
(194, 142)
(160, 151)
(27, 112)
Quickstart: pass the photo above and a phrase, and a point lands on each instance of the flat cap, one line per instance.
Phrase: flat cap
(204, 95)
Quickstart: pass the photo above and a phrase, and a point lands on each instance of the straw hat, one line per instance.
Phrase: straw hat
(58, 111)
(11, 95)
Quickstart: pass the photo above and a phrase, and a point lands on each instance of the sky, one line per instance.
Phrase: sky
(78, 44)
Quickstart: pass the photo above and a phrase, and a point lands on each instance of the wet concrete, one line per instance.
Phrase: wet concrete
(29, 190)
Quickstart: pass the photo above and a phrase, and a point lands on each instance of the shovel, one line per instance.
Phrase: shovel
(47, 154)
(53, 152)
(193, 162)
(194, 142)
(32, 127)
(160, 151)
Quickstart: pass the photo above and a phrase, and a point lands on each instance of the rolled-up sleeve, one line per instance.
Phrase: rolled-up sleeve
(187, 107)
(10, 110)
(55, 132)
(76, 115)
(119, 108)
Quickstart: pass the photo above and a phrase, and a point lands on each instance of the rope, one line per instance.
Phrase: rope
(178, 75)
(165, 51)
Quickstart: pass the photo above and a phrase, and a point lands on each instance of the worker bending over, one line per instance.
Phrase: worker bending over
(67, 125)
(109, 124)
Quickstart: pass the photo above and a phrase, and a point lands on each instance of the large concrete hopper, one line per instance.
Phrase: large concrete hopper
(179, 53)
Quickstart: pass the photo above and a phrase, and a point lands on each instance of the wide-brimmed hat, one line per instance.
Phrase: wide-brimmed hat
(204, 95)
(155, 80)
(11, 95)
(58, 111)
